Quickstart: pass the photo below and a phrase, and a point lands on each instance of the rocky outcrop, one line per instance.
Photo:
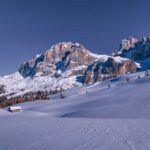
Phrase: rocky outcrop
(128, 43)
(108, 69)
(127, 67)
(29, 68)
(133, 49)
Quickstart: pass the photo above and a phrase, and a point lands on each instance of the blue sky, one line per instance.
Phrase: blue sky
(29, 27)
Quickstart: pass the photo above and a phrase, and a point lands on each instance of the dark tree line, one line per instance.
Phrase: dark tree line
(39, 95)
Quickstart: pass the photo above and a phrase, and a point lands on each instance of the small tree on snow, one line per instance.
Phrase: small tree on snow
(62, 95)
(108, 85)
(139, 77)
(147, 73)
(127, 79)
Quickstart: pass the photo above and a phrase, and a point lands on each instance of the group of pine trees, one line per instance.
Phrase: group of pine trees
(40, 95)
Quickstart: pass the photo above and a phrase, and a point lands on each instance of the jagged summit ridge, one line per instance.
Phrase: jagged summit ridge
(135, 49)
(128, 43)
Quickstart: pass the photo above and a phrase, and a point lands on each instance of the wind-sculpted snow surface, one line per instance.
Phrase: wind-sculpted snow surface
(45, 133)
(95, 117)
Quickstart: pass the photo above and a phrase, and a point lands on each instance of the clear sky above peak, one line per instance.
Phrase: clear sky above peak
(29, 27)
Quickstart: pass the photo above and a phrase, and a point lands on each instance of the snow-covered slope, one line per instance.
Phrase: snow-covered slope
(121, 99)
(96, 117)
(16, 85)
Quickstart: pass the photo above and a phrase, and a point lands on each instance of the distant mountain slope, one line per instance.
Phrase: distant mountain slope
(114, 98)
(121, 99)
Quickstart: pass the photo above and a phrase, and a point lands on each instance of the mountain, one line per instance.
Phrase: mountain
(62, 57)
(68, 59)
(136, 50)
(68, 64)
(62, 66)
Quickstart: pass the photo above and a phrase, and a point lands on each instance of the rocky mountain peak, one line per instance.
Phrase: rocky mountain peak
(128, 43)
(60, 50)
(63, 56)
(134, 49)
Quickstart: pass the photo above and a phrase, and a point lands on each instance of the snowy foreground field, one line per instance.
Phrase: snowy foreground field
(92, 118)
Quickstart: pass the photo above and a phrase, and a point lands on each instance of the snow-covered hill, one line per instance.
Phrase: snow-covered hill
(95, 117)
